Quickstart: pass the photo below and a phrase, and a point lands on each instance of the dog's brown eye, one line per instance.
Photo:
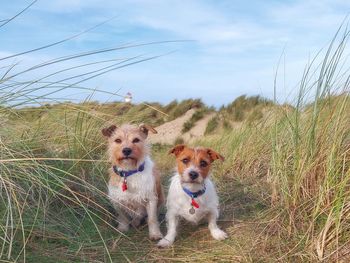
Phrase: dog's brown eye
(118, 140)
(203, 163)
(185, 161)
(136, 140)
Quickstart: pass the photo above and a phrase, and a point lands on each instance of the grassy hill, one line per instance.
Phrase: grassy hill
(285, 176)
(284, 186)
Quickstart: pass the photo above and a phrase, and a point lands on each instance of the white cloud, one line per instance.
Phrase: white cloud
(235, 52)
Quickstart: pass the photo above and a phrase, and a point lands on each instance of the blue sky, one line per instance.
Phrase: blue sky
(232, 47)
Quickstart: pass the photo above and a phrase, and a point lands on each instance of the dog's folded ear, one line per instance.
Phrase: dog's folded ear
(109, 131)
(214, 155)
(144, 128)
(177, 149)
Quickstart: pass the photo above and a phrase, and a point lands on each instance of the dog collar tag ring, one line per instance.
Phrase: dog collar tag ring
(124, 185)
(192, 211)
(194, 204)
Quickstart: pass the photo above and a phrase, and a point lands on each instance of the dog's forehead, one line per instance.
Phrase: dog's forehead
(195, 153)
(186, 152)
(128, 130)
(202, 153)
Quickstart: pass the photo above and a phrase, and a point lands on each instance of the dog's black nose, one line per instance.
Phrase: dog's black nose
(193, 175)
(127, 151)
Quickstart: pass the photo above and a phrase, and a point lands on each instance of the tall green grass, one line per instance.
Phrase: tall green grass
(189, 124)
(241, 107)
(310, 158)
(212, 125)
(53, 204)
(302, 153)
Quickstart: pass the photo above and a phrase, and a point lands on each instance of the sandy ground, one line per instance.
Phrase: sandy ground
(198, 129)
(170, 131)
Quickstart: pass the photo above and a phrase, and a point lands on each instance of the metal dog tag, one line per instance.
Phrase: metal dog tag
(192, 211)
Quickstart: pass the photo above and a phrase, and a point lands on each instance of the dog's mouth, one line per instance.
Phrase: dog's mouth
(127, 158)
(190, 181)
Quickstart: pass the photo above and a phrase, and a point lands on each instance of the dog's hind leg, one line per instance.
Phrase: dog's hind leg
(122, 219)
(139, 216)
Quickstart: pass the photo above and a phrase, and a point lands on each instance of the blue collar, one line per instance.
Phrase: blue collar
(194, 194)
(125, 174)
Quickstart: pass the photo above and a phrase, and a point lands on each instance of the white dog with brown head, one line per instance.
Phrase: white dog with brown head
(192, 195)
(134, 186)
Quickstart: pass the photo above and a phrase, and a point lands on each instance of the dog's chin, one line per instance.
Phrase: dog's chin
(189, 181)
(127, 158)
(128, 162)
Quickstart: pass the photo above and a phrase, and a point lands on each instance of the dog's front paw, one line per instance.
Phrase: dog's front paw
(164, 243)
(155, 235)
(218, 234)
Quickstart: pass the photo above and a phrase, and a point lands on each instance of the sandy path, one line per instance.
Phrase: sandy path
(198, 129)
(168, 132)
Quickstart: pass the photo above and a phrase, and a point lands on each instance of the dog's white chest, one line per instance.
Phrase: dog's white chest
(140, 187)
(179, 202)
(190, 213)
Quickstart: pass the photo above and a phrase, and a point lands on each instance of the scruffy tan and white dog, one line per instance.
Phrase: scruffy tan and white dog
(192, 194)
(134, 187)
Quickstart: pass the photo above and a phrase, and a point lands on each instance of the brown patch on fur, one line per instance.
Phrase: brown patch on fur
(177, 149)
(114, 180)
(214, 155)
(109, 131)
(158, 186)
